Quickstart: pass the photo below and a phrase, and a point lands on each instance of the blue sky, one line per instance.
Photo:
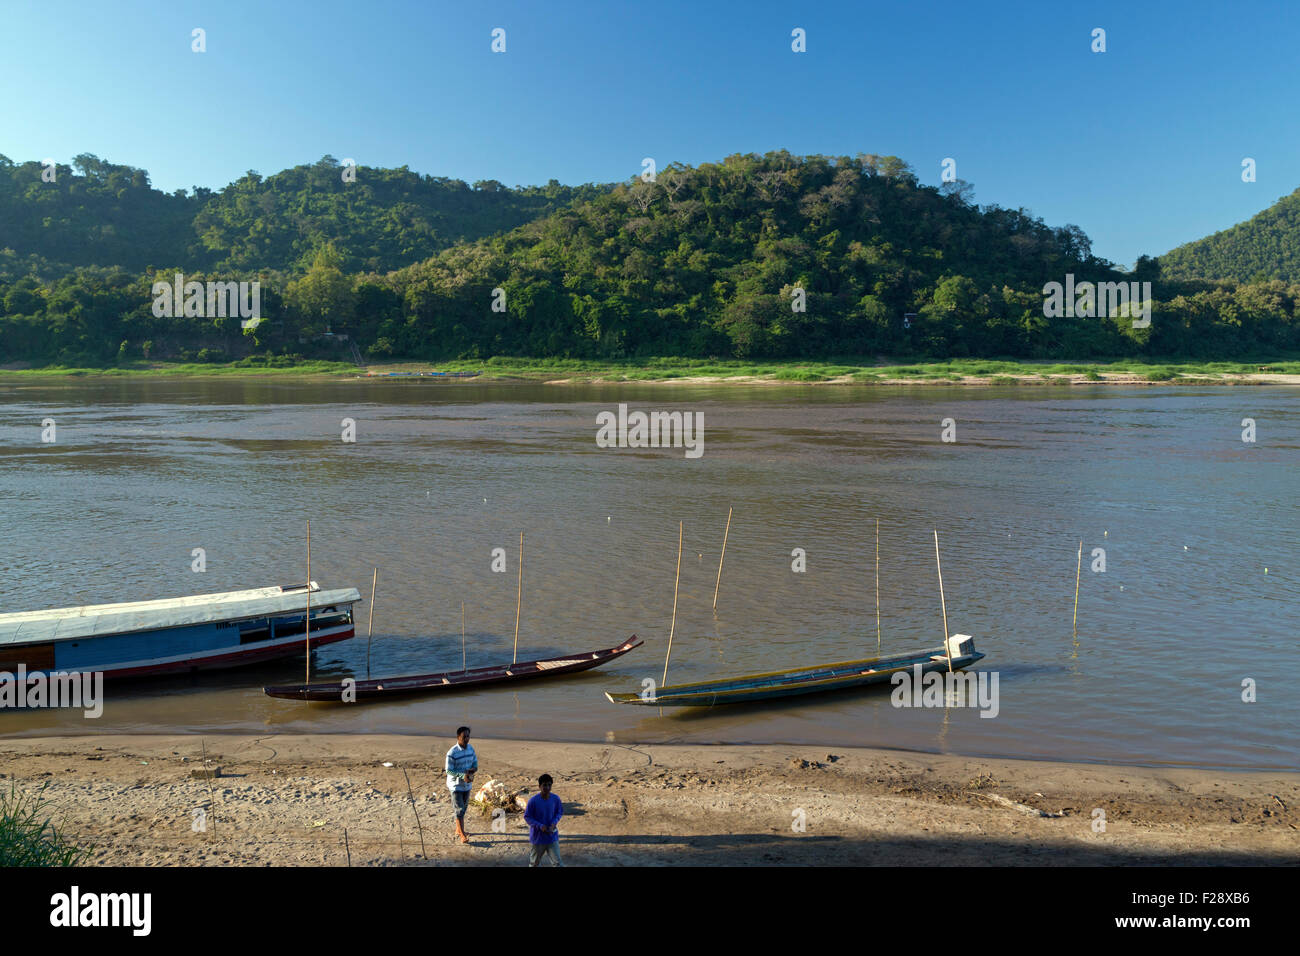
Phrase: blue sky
(1141, 146)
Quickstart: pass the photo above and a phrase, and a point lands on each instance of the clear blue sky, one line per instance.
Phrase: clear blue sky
(1140, 146)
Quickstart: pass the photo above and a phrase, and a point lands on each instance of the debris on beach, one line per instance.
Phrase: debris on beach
(1020, 807)
(494, 794)
(798, 764)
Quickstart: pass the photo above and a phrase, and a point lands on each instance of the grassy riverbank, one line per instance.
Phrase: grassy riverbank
(666, 370)
(187, 369)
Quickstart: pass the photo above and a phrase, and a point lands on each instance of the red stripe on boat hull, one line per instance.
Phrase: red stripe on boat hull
(254, 655)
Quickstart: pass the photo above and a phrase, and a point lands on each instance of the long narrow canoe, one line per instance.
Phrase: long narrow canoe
(805, 680)
(351, 691)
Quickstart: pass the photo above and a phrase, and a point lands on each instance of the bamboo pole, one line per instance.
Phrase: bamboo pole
(307, 621)
(673, 629)
(1077, 573)
(877, 587)
(721, 558)
(947, 648)
(463, 667)
(371, 625)
(519, 596)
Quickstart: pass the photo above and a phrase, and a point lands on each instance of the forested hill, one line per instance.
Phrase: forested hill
(96, 213)
(385, 219)
(1266, 246)
(92, 213)
(755, 256)
(714, 260)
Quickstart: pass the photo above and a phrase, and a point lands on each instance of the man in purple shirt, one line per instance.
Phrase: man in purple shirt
(542, 816)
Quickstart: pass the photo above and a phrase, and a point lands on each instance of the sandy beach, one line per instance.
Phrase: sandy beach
(1110, 378)
(964, 381)
(286, 800)
(388, 373)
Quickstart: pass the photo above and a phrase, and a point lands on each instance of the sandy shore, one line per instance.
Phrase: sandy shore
(1110, 378)
(286, 800)
(1028, 379)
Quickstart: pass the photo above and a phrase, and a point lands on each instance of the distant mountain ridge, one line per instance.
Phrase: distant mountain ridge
(97, 213)
(1265, 246)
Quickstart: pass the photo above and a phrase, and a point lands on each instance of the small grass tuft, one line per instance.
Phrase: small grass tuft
(28, 838)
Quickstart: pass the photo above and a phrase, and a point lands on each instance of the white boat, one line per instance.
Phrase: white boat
(175, 635)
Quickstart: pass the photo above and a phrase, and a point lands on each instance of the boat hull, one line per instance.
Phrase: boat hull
(358, 691)
(219, 658)
(805, 680)
(173, 636)
(232, 657)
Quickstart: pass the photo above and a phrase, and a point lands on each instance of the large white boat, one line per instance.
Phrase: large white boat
(175, 635)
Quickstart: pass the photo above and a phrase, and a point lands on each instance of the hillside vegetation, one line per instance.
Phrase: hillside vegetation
(774, 256)
(1267, 246)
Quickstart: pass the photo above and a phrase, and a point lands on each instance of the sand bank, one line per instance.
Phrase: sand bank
(286, 800)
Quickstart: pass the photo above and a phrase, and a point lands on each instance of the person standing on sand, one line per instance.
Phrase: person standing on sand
(461, 763)
(542, 816)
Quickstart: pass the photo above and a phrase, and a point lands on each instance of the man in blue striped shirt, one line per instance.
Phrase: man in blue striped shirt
(460, 765)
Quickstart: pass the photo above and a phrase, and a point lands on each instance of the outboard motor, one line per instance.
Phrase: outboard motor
(961, 645)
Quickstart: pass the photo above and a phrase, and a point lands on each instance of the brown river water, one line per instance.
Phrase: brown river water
(1188, 514)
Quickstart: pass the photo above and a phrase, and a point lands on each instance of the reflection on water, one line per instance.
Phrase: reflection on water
(1188, 516)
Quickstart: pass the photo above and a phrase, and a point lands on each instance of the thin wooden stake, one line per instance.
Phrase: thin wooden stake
(877, 587)
(371, 625)
(212, 804)
(419, 826)
(347, 849)
(947, 648)
(519, 597)
(463, 666)
(307, 623)
(673, 629)
(721, 558)
(1077, 572)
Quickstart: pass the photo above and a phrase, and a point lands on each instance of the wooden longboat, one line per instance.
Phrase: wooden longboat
(416, 684)
(806, 680)
(175, 635)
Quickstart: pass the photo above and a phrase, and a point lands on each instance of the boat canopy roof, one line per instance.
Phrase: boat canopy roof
(100, 620)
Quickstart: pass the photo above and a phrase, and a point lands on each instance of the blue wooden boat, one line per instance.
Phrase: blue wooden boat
(806, 680)
(175, 635)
